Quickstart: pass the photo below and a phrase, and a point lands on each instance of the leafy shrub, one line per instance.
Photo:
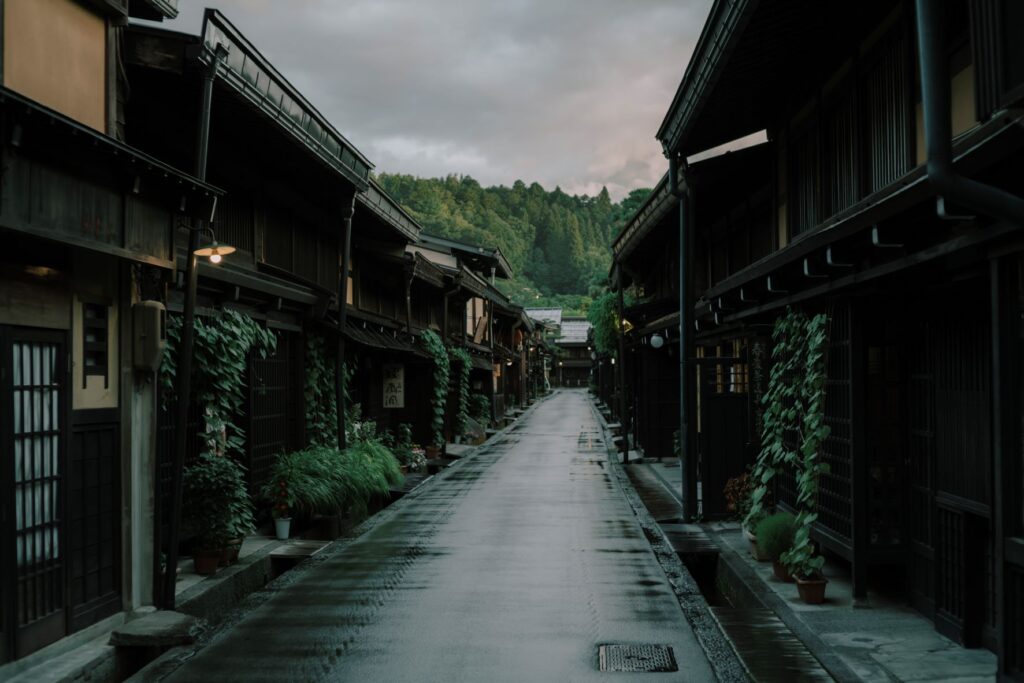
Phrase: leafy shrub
(775, 534)
(216, 506)
(329, 481)
(480, 408)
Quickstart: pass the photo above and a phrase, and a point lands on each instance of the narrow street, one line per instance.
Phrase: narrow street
(514, 566)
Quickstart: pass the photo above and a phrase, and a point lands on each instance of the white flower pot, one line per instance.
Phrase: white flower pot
(283, 525)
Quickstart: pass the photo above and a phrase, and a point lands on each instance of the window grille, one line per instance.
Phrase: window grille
(886, 96)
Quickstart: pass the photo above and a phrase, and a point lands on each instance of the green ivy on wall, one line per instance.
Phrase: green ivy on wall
(442, 369)
(465, 366)
(794, 410)
(221, 351)
(321, 401)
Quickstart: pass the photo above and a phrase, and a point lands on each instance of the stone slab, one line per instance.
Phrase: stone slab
(158, 629)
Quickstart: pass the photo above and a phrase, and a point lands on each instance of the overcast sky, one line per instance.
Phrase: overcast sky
(561, 92)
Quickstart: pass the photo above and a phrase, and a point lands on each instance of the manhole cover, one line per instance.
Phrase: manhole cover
(652, 658)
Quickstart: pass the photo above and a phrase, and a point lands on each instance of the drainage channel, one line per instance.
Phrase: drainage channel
(767, 647)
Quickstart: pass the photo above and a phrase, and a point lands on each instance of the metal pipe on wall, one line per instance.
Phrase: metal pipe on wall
(339, 365)
(936, 101)
(687, 435)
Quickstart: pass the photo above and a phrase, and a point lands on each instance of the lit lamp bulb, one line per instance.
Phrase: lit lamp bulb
(214, 251)
(657, 341)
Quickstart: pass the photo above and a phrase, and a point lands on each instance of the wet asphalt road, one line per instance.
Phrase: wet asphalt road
(513, 566)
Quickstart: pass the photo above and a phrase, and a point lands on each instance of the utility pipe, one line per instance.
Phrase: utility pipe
(621, 373)
(936, 101)
(687, 442)
(339, 365)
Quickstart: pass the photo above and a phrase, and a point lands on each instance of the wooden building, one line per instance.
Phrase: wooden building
(887, 196)
(87, 227)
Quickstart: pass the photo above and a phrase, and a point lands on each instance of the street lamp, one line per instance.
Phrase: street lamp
(213, 249)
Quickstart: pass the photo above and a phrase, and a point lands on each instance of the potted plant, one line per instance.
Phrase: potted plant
(774, 537)
(804, 563)
(216, 507)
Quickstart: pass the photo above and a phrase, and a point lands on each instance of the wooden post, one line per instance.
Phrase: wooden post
(621, 374)
(339, 365)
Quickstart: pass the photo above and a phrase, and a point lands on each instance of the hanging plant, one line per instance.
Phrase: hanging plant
(465, 365)
(442, 368)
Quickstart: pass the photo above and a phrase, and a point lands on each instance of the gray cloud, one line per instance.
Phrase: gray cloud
(561, 92)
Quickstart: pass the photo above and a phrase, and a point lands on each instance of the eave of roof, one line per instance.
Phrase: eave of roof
(717, 39)
(137, 161)
(423, 269)
(387, 209)
(658, 204)
(494, 255)
(252, 76)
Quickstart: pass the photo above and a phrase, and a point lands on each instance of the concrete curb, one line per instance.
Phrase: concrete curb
(749, 585)
(167, 663)
(717, 647)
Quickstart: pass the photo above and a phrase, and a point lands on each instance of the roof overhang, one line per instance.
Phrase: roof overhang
(380, 203)
(37, 127)
(751, 61)
(255, 79)
(475, 256)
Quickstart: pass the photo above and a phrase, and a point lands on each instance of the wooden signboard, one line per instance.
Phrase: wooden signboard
(394, 385)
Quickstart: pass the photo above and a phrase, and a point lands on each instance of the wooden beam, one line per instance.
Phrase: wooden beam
(975, 238)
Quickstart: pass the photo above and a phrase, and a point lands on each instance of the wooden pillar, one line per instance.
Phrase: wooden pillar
(861, 539)
(1006, 412)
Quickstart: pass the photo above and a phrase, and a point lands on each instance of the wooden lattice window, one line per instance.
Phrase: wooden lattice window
(94, 342)
(887, 111)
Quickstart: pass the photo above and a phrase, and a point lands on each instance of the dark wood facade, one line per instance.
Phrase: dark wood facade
(838, 213)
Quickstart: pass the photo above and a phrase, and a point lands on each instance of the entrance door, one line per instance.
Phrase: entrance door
(33, 429)
(950, 478)
(725, 434)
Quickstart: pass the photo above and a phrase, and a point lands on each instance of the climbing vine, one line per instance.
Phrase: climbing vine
(442, 369)
(794, 413)
(321, 402)
(221, 351)
(465, 365)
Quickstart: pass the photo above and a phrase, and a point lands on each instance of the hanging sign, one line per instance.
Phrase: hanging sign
(394, 385)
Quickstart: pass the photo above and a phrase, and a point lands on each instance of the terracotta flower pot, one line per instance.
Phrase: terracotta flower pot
(812, 590)
(404, 469)
(781, 573)
(433, 452)
(230, 553)
(206, 560)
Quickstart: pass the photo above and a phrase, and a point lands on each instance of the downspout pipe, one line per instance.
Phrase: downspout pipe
(348, 210)
(687, 404)
(620, 375)
(936, 101)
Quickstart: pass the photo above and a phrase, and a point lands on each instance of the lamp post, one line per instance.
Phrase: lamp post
(183, 384)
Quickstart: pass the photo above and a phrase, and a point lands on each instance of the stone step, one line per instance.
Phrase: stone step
(297, 549)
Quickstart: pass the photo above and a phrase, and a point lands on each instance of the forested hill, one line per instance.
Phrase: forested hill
(558, 244)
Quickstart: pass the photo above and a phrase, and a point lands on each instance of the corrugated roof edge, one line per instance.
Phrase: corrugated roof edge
(725, 21)
(356, 168)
